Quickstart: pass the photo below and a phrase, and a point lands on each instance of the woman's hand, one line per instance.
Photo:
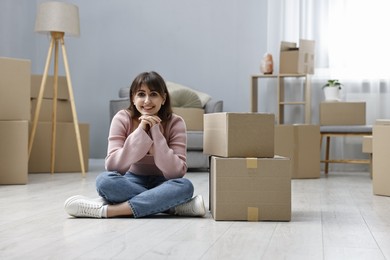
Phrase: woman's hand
(148, 121)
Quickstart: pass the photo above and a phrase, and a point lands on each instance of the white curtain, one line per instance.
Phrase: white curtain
(352, 45)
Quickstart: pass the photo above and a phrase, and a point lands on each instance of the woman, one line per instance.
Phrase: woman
(146, 160)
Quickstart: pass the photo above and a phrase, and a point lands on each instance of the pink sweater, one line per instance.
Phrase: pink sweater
(128, 148)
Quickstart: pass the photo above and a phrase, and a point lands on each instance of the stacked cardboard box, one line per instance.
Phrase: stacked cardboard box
(66, 151)
(297, 59)
(354, 113)
(380, 157)
(14, 116)
(247, 181)
(299, 142)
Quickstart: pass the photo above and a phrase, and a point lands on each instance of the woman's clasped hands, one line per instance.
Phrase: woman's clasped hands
(148, 121)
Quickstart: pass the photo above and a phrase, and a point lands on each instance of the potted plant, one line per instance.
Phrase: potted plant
(332, 90)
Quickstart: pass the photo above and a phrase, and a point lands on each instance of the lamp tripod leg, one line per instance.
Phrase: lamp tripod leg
(54, 110)
(71, 97)
(40, 96)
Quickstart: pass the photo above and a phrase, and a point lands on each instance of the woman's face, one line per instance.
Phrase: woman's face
(148, 102)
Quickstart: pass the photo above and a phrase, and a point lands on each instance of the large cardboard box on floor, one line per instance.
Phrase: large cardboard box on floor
(62, 90)
(301, 144)
(342, 113)
(380, 158)
(193, 117)
(297, 59)
(239, 134)
(66, 152)
(15, 89)
(250, 189)
(14, 152)
(64, 110)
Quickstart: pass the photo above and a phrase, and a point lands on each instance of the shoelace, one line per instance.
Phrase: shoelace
(187, 208)
(90, 210)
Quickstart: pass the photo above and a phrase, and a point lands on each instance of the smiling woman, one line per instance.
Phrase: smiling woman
(148, 102)
(146, 160)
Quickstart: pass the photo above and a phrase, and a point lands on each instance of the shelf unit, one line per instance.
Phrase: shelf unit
(280, 94)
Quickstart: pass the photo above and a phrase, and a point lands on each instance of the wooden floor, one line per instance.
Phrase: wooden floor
(334, 217)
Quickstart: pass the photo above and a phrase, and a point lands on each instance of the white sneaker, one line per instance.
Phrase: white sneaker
(81, 206)
(193, 208)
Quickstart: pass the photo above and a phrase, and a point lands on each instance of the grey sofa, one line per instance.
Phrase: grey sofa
(196, 160)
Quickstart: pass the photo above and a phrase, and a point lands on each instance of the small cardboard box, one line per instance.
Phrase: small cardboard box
(297, 60)
(250, 189)
(64, 110)
(66, 152)
(380, 159)
(193, 117)
(301, 144)
(14, 152)
(239, 134)
(62, 91)
(342, 113)
(14, 89)
(367, 144)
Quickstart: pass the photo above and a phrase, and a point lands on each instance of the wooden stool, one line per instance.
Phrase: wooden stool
(342, 131)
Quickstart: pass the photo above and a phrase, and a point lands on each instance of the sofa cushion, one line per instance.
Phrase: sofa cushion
(195, 140)
(182, 96)
(204, 98)
(197, 160)
(193, 117)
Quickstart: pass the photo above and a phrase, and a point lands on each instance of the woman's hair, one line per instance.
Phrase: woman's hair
(155, 83)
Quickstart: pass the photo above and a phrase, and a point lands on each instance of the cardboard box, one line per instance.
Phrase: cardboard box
(367, 148)
(62, 91)
(342, 113)
(367, 144)
(64, 110)
(67, 155)
(192, 116)
(14, 152)
(15, 89)
(382, 122)
(251, 189)
(301, 144)
(380, 157)
(297, 60)
(239, 134)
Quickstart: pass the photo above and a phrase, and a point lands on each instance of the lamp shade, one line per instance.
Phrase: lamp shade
(58, 17)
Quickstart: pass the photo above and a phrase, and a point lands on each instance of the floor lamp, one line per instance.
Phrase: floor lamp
(58, 19)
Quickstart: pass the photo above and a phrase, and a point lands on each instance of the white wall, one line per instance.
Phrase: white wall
(212, 46)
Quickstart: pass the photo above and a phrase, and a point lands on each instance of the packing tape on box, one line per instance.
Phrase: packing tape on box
(253, 214)
(251, 163)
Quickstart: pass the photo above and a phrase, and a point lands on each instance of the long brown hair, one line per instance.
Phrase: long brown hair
(155, 83)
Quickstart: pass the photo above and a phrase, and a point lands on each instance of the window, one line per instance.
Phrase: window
(351, 35)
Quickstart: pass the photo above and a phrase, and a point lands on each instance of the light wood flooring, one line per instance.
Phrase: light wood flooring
(334, 217)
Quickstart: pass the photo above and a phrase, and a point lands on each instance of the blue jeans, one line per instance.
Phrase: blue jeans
(146, 195)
